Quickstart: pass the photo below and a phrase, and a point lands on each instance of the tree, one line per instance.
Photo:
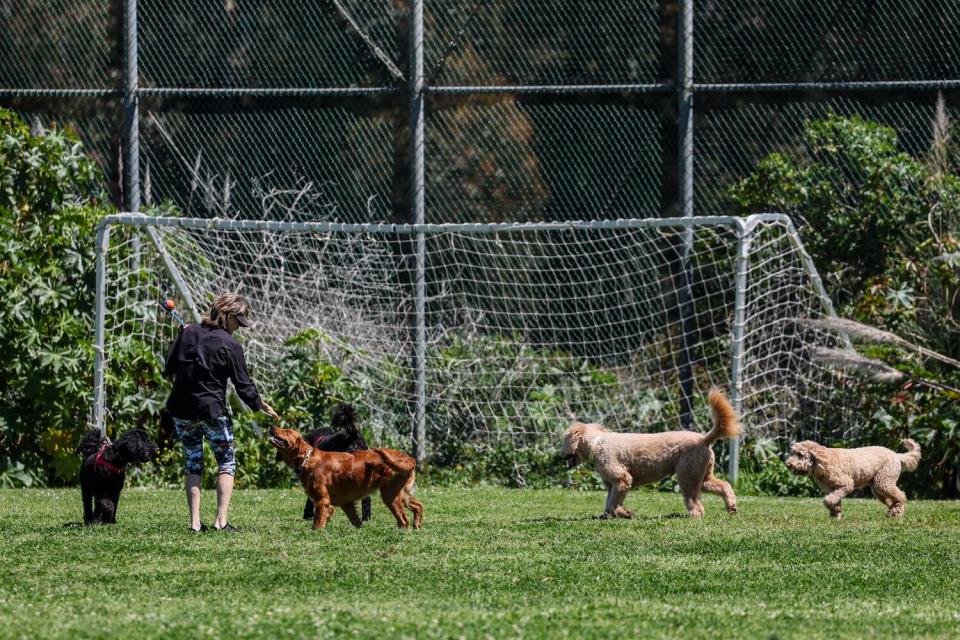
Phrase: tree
(49, 205)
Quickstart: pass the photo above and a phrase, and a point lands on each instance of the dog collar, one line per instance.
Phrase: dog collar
(305, 458)
(99, 461)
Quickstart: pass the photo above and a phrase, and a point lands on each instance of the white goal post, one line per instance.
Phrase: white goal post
(493, 335)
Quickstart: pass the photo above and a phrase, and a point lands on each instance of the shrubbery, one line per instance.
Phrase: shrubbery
(49, 205)
(882, 227)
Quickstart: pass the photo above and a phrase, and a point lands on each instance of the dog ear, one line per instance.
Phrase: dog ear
(816, 451)
(572, 439)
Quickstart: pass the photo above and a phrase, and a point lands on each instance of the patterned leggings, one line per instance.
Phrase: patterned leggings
(219, 433)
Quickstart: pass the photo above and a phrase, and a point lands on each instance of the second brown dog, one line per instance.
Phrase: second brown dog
(627, 460)
(839, 471)
(335, 479)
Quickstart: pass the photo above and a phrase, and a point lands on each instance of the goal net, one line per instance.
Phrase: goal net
(480, 337)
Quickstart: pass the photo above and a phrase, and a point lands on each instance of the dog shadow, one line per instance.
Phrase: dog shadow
(549, 519)
(590, 518)
(80, 525)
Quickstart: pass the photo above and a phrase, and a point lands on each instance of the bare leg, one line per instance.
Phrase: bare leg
(224, 493)
(193, 499)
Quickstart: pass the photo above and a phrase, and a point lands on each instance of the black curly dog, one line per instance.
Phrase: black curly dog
(343, 436)
(104, 469)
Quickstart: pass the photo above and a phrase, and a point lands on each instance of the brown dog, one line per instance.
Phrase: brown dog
(627, 460)
(335, 479)
(840, 471)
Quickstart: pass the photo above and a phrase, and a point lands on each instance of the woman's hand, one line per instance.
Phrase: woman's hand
(267, 409)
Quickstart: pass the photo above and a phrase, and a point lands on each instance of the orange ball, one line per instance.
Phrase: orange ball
(169, 304)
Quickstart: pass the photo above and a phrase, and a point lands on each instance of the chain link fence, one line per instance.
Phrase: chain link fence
(458, 111)
(569, 110)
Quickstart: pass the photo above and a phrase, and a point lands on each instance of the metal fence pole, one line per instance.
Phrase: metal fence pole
(744, 231)
(100, 302)
(685, 171)
(417, 189)
(131, 110)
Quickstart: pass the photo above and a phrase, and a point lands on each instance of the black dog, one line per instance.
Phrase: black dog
(104, 469)
(344, 436)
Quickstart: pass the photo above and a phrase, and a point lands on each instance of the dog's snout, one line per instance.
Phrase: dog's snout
(571, 461)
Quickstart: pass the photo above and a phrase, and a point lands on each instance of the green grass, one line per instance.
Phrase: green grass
(489, 563)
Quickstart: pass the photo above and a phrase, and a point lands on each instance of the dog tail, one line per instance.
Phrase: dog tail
(397, 460)
(910, 459)
(91, 442)
(725, 421)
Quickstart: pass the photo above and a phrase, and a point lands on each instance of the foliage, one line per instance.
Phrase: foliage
(309, 385)
(495, 419)
(882, 226)
(49, 206)
(763, 474)
(861, 204)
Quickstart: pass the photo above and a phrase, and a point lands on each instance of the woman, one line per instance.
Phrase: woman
(203, 358)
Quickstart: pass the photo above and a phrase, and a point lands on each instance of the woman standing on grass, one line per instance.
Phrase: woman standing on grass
(202, 359)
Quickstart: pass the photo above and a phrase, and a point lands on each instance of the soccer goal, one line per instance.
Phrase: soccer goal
(486, 335)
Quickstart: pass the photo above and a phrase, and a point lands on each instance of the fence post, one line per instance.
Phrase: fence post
(131, 109)
(417, 189)
(100, 301)
(685, 172)
(744, 231)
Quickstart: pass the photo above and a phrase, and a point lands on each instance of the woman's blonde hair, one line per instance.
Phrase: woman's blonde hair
(226, 305)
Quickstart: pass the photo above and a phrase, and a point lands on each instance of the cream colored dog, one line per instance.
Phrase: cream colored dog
(627, 460)
(840, 471)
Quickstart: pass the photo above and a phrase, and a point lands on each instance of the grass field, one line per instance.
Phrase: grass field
(489, 563)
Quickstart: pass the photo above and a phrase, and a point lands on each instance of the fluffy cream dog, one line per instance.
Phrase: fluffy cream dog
(840, 471)
(627, 460)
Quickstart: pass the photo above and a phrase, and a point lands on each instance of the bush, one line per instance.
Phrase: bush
(49, 207)
(882, 228)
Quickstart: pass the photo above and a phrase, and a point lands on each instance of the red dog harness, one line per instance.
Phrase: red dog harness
(99, 461)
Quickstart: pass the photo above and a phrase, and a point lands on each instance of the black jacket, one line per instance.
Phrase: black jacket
(203, 358)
